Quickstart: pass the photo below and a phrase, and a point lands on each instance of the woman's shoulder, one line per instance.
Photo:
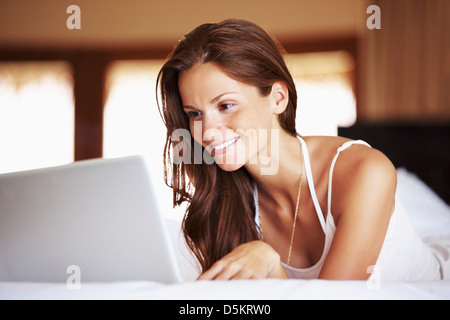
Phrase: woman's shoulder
(359, 155)
(359, 168)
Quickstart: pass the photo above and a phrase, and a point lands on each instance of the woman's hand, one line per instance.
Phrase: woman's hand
(251, 260)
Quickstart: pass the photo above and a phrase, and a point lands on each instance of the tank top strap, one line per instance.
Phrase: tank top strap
(310, 180)
(330, 177)
(312, 190)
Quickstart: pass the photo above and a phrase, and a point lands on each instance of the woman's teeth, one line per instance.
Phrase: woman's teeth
(226, 144)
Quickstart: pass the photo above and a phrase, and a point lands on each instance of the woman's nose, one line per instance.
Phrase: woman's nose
(210, 125)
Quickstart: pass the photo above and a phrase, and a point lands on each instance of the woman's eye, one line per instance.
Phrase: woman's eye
(193, 114)
(225, 106)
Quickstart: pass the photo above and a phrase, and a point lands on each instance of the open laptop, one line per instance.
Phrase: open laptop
(97, 220)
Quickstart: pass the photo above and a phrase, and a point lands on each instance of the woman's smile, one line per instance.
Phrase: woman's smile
(224, 147)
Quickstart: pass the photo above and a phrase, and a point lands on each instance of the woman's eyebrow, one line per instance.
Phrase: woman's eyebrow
(220, 96)
(214, 100)
(188, 107)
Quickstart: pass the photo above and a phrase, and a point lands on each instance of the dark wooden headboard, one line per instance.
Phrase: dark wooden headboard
(423, 150)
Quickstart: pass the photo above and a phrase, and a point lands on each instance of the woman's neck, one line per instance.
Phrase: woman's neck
(278, 175)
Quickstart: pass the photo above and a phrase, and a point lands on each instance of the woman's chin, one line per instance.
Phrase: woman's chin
(228, 164)
(229, 167)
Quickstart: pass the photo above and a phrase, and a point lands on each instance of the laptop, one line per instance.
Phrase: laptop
(94, 220)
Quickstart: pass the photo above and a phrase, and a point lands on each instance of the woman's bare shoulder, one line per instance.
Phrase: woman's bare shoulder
(357, 155)
(360, 171)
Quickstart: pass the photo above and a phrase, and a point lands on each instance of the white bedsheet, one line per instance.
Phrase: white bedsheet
(429, 214)
(270, 289)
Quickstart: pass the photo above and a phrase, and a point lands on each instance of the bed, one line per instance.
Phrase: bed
(422, 158)
(417, 197)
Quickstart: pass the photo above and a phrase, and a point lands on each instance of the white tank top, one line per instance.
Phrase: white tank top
(403, 257)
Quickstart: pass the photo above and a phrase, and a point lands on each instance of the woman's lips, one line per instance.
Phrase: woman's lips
(222, 148)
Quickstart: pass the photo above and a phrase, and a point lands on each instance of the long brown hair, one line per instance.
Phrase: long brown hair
(220, 214)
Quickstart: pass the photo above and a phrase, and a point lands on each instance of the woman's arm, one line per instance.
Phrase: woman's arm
(363, 195)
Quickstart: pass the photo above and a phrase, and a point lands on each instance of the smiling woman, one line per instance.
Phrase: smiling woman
(224, 83)
(231, 199)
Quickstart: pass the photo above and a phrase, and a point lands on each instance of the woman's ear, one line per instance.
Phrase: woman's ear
(280, 96)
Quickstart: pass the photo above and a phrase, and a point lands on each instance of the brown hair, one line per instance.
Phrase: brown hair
(221, 210)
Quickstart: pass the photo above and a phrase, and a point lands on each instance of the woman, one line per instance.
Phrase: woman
(263, 201)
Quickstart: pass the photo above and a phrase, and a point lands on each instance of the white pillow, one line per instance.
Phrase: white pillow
(429, 214)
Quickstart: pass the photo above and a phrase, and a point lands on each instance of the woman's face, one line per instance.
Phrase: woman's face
(227, 117)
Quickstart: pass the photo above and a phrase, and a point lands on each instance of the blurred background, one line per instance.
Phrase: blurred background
(74, 94)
